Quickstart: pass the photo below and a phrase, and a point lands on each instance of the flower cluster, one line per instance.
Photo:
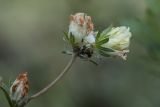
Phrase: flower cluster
(113, 41)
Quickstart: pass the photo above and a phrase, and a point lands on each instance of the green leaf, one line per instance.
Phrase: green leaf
(95, 63)
(98, 35)
(103, 53)
(72, 39)
(66, 35)
(7, 96)
(105, 49)
(103, 41)
(67, 52)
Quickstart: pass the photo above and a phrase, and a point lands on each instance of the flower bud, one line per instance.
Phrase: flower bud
(119, 40)
(19, 88)
(80, 26)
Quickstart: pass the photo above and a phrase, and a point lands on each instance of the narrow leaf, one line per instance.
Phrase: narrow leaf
(104, 53)
(95, 63)
(101, 42)
(67, 52)
(98, 35)
(105, 49)
(72, 39)
(66, 35)
(7, 96)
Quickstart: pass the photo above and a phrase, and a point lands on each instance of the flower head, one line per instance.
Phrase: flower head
(119, 41)
(20, 87)
(80, 26)
(119, 38)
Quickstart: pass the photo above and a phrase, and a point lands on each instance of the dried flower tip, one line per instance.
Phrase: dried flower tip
(122, 54)
(80, 26)
(20, 87)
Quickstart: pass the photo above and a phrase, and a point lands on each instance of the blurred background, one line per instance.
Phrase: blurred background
(31, 40)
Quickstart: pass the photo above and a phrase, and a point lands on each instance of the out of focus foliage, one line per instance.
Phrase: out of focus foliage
(147, 29)
(31, 40)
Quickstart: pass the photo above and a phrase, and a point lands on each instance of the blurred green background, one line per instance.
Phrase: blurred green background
(31, 40)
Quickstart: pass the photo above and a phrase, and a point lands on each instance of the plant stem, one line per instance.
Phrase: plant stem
(58, 78)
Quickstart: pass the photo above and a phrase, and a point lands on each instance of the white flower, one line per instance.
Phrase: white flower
(80, 26)
(119, 40)
(19, 88)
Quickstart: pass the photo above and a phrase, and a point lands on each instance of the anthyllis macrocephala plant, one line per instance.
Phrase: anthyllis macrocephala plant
(84, 43)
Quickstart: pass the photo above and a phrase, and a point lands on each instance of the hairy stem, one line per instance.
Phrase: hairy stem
(58, 78)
